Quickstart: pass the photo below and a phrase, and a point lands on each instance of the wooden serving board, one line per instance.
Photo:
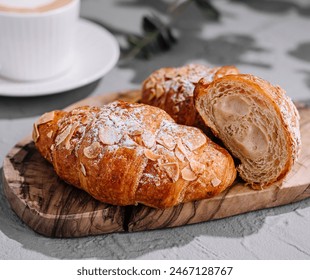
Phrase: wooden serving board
(53, 208)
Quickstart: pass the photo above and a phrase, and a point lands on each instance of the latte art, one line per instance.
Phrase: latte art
(31, 6)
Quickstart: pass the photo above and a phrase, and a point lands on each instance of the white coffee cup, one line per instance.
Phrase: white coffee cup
(37, 41)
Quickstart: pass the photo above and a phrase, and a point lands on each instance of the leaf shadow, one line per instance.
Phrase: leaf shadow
(275, 6)
(301, 52)
(227, 48)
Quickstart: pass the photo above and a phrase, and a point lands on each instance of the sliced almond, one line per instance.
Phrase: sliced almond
(197, 167)
(159, 91)
(172, 170)
(180, 156)
(133, 128)
(150, 83)
(92, 151)
(216, 182)
(183, 149)
(83, 169)
(50, 134)
(35, 133)
(136, 132)
(148, 139)
(151, 94)
(109, 135)
(72, 130)
(52, 147)
(151, 155)
(188, 174)
(137, 139)
(169, 142)
(194, 142)
(45, 118)
(160, 141)
(63, 135)
(128, 142)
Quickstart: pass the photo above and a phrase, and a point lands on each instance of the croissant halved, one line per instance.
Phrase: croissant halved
(257, 123)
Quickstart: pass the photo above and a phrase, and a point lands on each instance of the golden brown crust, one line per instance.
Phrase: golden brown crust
(124, 154)
(171, 89)
(256, 121)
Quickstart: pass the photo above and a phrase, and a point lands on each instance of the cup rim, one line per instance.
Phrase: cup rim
(39, 14)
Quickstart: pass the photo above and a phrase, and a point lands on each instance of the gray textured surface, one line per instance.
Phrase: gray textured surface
(267, 38)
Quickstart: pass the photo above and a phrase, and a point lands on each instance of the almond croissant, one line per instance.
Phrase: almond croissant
(171, 89)
(125, 154)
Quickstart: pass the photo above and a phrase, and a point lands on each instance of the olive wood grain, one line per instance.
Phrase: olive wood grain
(53, 208)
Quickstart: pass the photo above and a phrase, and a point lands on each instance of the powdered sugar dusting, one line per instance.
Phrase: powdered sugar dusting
(109, 135)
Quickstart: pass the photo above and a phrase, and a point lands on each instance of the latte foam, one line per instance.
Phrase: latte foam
(31, 6)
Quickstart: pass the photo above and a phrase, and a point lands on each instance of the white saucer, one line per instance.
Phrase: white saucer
(97, 52)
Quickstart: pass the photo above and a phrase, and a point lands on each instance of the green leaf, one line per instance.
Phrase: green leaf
(208, 9)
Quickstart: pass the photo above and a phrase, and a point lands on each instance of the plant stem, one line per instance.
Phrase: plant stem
(142, 43)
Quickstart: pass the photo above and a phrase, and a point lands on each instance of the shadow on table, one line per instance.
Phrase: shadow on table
(307, 77)
(225, 48)
(276, 7)
(133, 245)
(23, 107)
(301, 52)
